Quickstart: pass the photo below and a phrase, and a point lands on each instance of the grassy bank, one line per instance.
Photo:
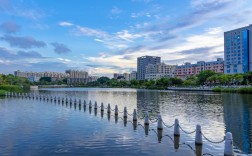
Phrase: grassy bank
(247, 90)
(2, 92)
(13, 88)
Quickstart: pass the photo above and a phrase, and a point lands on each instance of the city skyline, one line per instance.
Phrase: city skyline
(103, 38)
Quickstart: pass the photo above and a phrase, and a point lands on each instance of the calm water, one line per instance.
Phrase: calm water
(41, 127)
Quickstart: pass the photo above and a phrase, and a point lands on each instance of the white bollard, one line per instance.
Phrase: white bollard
(160, 124)
(146, 118)
(102, 107)
(95, 105)
(116, 110)
(228, 150)
(198, 136)
(176, 128)
(109, 109)
(125, 112)
(134, 115)
(90, 104)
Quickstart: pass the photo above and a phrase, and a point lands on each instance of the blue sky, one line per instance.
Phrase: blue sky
(104, 37)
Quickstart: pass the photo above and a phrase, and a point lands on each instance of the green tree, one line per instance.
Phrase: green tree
(190, 81)
(176, 81)
(202, 76)
(103, 80)
(45, 79)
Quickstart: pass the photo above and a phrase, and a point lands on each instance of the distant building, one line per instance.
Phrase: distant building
(35, 76)
(116, 75)
(133, 75)
(189, 69)
(159, 70)
(238, 50)
(92, 78)
(142, 62)
(77, 77)
(126, 76)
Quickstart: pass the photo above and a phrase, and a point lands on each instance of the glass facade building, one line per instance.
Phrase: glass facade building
(238, 50)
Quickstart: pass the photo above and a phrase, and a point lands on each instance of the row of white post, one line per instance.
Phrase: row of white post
(228, 149)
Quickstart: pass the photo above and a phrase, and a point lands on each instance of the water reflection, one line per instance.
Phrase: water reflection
(108, 115)
(176, 142)
(102, 112)
(238, 119)
(116, 119)
(95, 112)
(147, 101)
(160, 135)
(216, 113)
(146, 129)
(134, 125)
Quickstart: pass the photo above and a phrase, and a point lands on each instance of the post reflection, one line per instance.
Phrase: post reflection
(108, 115)
(146, 129)
(160, 135)
(134, 125)
(176, 142)
(95, 112)
(116, 119)
(102, 112)
(125, 122)
(198, 150)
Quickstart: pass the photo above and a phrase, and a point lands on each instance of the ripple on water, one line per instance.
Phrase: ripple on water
(55, 128)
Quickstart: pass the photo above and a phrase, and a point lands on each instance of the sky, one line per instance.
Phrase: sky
(106, 37)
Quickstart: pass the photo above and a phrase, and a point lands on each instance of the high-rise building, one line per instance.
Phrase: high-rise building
(238, 50)
(142, 62)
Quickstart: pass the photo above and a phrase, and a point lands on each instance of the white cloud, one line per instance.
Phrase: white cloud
(98, 40)
(116, 10)
(85, 31)
(125, 35)
(65, 61)
(65, 24)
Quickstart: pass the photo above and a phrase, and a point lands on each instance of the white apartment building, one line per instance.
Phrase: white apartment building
(159, 70)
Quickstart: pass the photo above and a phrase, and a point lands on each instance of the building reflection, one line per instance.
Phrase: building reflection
(238, 119)
(147, 100)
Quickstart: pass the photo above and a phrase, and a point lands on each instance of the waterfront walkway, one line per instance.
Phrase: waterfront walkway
(190, 88)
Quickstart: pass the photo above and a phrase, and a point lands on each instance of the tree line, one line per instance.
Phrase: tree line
(206, 78)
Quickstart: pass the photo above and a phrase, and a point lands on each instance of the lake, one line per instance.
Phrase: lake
(44, 127)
